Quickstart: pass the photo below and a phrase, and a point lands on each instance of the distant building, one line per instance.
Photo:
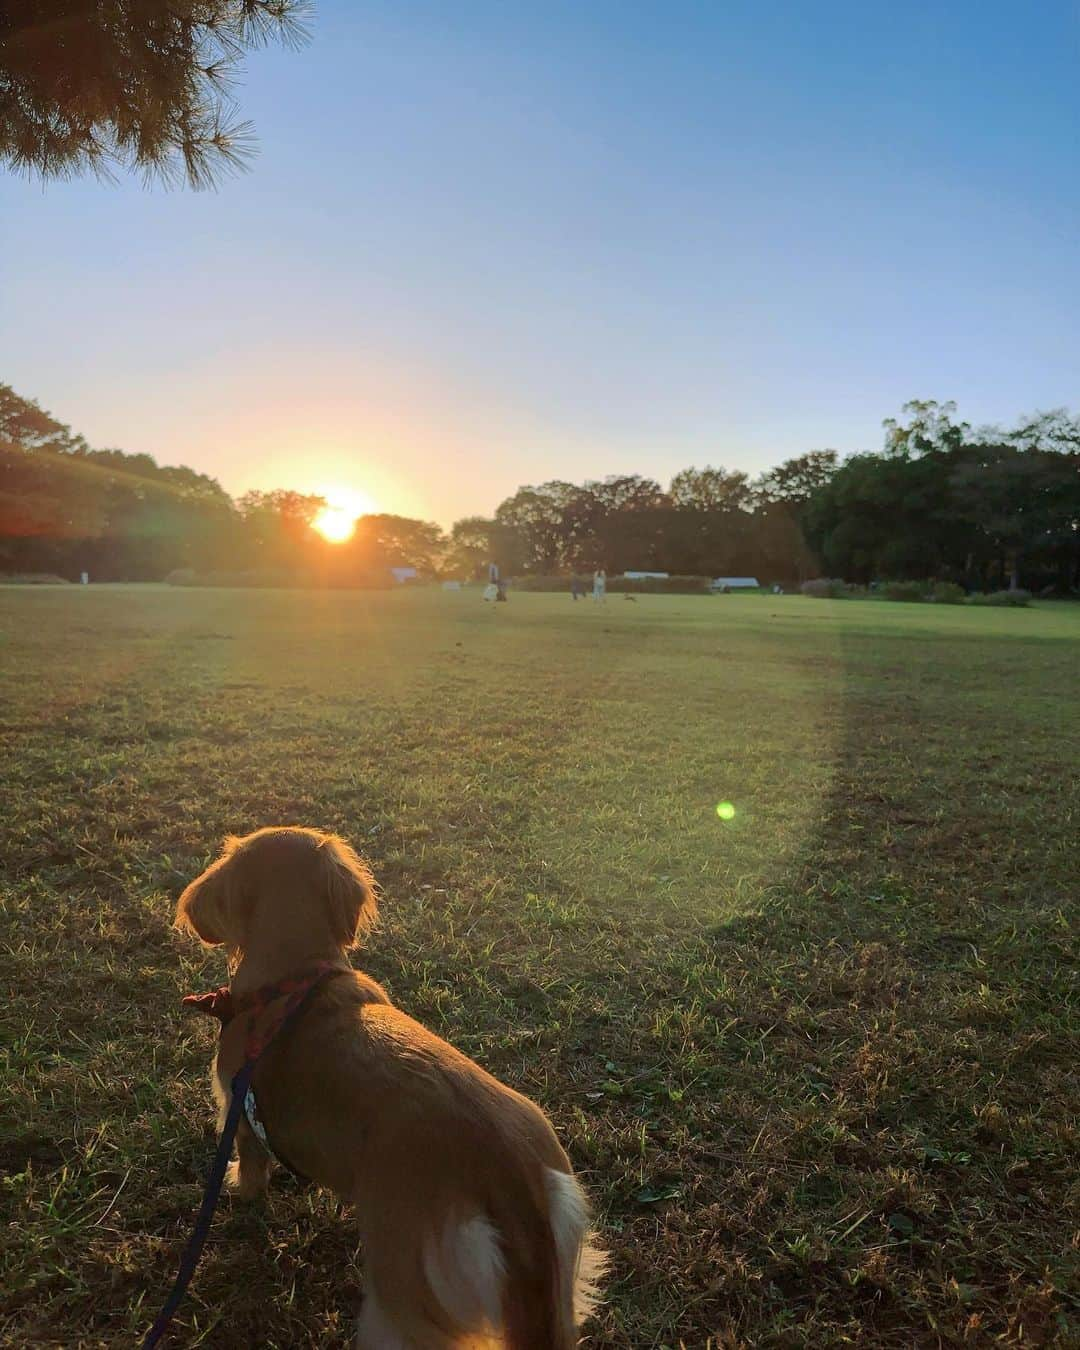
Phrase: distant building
(734, 584)
(403, 573)
(646, 576)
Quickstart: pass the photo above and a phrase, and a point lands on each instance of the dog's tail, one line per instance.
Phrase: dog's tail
(528, 1269)
(552, 1276)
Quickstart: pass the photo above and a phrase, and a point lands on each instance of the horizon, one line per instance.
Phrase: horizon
(685, 239)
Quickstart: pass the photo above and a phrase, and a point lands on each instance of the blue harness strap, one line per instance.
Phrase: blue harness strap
(298, 992)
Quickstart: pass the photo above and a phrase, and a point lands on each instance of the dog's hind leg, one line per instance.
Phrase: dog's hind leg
(249, 1176)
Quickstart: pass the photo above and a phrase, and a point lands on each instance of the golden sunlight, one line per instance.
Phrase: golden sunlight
(337, 520)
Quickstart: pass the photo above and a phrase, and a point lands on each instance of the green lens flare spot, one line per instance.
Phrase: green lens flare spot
(725, 810)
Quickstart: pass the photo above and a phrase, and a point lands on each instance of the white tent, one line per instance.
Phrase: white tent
(734, 584)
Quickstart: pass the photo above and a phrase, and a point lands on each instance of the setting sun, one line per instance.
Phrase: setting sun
(337, 520)
(334, 524)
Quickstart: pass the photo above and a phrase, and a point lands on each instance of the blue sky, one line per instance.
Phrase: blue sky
(488, 244)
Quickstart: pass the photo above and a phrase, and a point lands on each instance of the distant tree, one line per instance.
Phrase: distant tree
(929, 426)
(136, 84)
(796, 480)
(25, 426)
(1023, 509)
(989, 508)
(613, 523)
(780, 546)
(892, 514)
(46, 498)
(884, 515)
(1021, 490)
(467, 548)
(276, 528)
(66, 508)
(710, 525)
(622, 522)
(711, 489)
(384, 541)
(546, 521)
(33, 501)
(157, 519)
(477, 541)
(1057, 430)
(626, 492)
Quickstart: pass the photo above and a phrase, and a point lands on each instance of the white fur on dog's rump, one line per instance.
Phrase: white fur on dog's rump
(581, 1262)
(466, 1269)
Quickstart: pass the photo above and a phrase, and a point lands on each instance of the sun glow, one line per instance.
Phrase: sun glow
(337, 519)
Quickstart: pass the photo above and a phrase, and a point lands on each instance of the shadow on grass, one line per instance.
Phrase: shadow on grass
(852, 1114)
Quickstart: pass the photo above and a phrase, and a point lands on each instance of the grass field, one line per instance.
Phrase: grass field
(817, 1064)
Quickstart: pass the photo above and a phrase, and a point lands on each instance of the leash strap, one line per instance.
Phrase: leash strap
(193, 1250)
(299, 992)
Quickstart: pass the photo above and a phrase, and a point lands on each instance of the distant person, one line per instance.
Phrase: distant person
(577, 589)
(599, 586)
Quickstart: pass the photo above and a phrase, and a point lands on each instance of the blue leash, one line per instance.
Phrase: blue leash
(193, 1250)
(239, 1089)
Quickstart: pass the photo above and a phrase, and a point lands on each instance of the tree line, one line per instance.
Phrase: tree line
(986, 507)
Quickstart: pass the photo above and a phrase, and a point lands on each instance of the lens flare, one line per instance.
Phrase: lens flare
(725, 810)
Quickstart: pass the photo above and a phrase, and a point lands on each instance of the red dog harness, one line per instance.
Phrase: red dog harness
(280, 1000)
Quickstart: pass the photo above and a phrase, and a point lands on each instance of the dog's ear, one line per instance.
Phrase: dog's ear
(207, 907)
(349, 889)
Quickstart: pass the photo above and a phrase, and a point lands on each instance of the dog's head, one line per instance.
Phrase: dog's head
(294, 880)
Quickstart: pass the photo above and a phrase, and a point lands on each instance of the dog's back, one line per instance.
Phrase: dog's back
(473, 1223)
